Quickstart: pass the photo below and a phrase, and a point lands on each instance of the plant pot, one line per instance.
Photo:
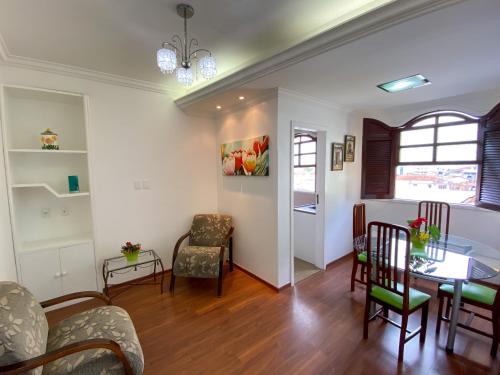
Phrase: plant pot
(418, 244)
(132, 257)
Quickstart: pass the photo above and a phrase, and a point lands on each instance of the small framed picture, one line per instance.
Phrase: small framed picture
(350, 147)
(337, 156)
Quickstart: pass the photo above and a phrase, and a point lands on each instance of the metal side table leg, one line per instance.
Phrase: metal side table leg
(457, 296)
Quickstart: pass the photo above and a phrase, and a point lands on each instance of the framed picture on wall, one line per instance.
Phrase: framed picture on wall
(337, 157)
(350, 147)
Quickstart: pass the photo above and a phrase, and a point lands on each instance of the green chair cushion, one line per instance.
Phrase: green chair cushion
(474, 292)
(416, 297)
(362, 257)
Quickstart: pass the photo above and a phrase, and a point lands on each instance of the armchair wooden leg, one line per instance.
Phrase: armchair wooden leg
(219, 281)
(353, 273)
(496, 332)
(439, 314)
(402, 337)
(172, 282)
(423, 322)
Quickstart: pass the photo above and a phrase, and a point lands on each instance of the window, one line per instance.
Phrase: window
(437, 158)
(304, 161)
(445, 156)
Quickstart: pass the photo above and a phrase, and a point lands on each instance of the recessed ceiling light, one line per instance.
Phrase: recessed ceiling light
(241, 98)
(404, 83)
(218, 107)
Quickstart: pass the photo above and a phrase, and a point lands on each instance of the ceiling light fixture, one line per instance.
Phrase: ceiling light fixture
(218, 107)
(241, 98)
(179, 54)
(406, 83)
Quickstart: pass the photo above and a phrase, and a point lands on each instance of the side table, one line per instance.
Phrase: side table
(119, 265)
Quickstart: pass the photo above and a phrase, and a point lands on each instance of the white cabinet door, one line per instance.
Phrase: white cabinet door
(40, 273)
(78, 268)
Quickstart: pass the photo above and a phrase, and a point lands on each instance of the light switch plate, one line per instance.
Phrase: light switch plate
(146, 184)
(137, 185)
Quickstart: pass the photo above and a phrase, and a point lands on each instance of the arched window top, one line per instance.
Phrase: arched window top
(304, 137)
(440, 118)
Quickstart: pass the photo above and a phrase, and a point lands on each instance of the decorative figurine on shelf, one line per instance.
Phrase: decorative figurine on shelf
(131, 251)
(49, 140)
(420, 238)
(73, 184)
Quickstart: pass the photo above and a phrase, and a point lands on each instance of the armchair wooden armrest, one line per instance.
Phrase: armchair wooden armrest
(178, 245)
(29, 364)
(77, 295)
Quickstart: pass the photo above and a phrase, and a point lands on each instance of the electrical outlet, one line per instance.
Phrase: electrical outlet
(64, 211)
(45, 212)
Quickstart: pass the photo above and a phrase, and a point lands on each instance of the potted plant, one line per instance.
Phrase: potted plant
(131, 251)
(420, 238)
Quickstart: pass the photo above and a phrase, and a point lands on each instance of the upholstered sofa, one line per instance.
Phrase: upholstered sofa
(100, 341)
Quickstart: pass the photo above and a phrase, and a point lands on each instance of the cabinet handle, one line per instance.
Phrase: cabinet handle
(64, 273)
(57, 275)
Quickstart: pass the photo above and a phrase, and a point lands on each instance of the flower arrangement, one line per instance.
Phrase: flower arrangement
(131, 251)
(420, 238)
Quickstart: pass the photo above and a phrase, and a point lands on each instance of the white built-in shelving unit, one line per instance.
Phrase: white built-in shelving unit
(52, 228)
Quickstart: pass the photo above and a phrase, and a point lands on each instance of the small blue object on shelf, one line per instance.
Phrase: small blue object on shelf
(73, 184)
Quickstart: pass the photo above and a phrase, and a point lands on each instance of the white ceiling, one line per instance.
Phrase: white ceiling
(121, 36)
(456, 48)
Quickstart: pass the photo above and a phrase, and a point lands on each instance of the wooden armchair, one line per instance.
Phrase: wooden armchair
(209, 236)
(84, 343)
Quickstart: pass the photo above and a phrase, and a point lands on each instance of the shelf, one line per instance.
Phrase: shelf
(51, 190)
(34, 150)
(30, 246)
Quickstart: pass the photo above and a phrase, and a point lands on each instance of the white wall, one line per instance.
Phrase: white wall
(342, 187)
(471, 222)
(133, 134)
(251, 200)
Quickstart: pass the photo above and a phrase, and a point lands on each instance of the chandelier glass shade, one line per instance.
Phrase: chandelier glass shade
(179, 54)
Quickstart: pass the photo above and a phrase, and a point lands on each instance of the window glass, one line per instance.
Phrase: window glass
(457, 133)
(425, 122)
(304, 179)
(295, 160)
(415, 154)
(295, 149)
(447, 119)
(309, 147)
(447, 183)
(308, 159)
(457, 152)
(417, 137)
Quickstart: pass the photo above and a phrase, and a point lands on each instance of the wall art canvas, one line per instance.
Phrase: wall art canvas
(337, 157)
(248, 157)
(350, 147)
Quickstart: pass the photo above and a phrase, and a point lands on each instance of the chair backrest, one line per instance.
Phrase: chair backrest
(436, 213)
(210, 230)
(358, 220)
(386, 244)
(23, 325)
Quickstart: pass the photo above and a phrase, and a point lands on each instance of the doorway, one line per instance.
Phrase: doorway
(307, 192)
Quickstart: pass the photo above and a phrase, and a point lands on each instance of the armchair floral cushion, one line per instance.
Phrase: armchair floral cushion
(197, 261)
(23, 325)
(109, 322)
(209, 230)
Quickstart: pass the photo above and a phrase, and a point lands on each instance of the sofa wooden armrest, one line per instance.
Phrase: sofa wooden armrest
(77, 295)
(30, 364)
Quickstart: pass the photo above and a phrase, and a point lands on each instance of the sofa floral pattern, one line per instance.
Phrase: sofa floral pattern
(201, 258)
(23, 325)
(24, 334)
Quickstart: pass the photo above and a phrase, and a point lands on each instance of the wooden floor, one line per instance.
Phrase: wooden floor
(314, 328)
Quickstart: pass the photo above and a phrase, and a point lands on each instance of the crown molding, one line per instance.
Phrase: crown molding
(379, 19)
(8, 59)
(312, 99)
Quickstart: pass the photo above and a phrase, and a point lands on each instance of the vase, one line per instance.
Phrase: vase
(132, 257)
(418, 244)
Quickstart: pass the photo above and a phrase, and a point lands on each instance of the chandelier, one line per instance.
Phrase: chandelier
(179, 54)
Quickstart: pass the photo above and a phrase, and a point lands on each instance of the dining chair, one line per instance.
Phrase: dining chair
(479, 294)
(436, 213)
(359, 244)
(386, 244)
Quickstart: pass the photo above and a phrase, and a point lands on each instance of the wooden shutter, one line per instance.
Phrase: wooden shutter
(488, 195)
(379, 160)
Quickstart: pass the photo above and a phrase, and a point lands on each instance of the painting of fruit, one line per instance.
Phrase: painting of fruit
(248, 157)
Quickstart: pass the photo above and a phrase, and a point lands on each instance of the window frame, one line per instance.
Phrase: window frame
(312, 139)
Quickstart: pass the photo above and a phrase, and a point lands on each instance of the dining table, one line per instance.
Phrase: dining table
(451, 259)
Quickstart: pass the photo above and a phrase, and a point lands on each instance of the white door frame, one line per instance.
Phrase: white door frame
(321, 157)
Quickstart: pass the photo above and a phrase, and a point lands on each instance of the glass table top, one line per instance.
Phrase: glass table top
(451, 258)
(120, 262)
